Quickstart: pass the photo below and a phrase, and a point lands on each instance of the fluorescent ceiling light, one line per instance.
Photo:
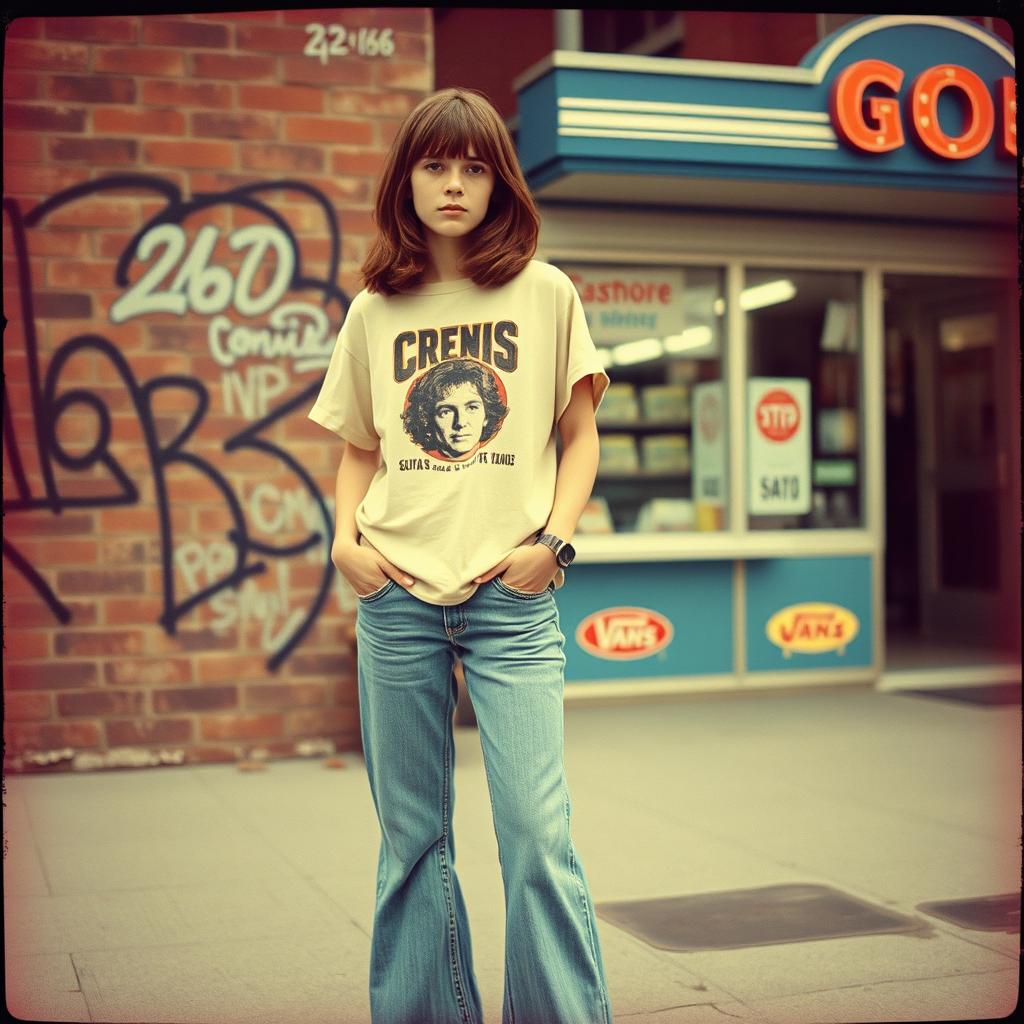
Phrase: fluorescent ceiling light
(768, 294)
(692, 337)
(638, 351)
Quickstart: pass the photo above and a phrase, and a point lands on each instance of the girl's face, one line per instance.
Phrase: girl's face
(459, 417)
(451, 196)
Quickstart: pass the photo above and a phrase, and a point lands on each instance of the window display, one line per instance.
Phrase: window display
(660, 331)
(804, 402)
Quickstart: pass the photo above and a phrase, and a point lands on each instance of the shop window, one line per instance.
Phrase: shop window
(663, 422)
(803, 401)
(652, 33)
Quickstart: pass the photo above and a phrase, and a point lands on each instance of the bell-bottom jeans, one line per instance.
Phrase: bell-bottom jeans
(512, 651)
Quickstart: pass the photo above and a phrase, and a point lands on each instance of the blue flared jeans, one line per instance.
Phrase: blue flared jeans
(512, 651)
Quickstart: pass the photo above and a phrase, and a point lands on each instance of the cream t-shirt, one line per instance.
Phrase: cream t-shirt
(462, 387)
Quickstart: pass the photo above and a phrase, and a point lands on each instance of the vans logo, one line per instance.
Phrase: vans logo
(813, 628)
(624, 633)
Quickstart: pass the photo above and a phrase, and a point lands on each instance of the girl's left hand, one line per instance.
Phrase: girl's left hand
(529, 568)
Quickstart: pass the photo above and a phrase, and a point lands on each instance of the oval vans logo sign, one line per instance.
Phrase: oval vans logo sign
(621, 634)
(812, 628)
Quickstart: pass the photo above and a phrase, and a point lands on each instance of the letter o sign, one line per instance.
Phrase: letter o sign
(924, 101)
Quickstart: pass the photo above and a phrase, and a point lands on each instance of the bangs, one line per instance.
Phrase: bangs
(454, 131)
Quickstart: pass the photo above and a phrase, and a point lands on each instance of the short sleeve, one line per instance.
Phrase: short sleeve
(581, 356)
(345, 404)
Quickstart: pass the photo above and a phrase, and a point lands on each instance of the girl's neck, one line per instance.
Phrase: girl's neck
(442, 260)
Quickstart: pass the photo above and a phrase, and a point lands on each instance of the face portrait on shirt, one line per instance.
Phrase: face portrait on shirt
(454, 408)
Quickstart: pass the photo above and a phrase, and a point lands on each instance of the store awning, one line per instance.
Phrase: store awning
(892, 115)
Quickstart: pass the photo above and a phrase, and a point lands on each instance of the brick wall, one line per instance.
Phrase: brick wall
(186, 206)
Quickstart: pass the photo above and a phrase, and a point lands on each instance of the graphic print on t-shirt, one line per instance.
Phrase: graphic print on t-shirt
(454, 408)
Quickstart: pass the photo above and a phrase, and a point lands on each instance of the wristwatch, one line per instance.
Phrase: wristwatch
(564, 551)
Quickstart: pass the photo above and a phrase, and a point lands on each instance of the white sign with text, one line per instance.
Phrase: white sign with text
(779, 440)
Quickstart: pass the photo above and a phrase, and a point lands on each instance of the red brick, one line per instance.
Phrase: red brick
(173, 32)
(93, 30)
(147, 671)
(220, 65)
(59, 243)
(201, 754)
(29, 737)
(78, 274)
(411, 46)
(190, 640)
(132, 732)
(330, 665)
(25, 28)
(95, 643)
(23, 645)
(22, 149)
(400, 74)
(189, 154)
(405, 19)
(371, 104)
(25, 53)
(25, 524)
(216, 668)
(357, 162)
(70, 551)
(272, 157)
(50, 675)
(286, 695)
(234, 126)
(271, 38)
(94, 213)
(136, 121)
(27, 707)
(281, 97)
(41, 181)
(323, 722)
(241, 727)
(342, 71)
(19, 614)
(90, 89)
(97, 703)
(21, 86)
(140, 61)
(156, 93)
(43, 118)
(329, 129)
(90, 581)
(195, 698)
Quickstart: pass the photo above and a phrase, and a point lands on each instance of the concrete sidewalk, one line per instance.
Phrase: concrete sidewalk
(208, 894)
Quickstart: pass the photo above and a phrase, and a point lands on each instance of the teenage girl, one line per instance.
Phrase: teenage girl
(453, 529)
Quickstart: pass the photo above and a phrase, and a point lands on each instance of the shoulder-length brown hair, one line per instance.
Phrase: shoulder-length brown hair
(449, 124)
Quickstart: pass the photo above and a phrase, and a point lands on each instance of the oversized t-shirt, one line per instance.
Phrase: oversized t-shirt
(462, 387)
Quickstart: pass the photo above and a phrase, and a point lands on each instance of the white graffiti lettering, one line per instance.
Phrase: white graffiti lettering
(253, 390)
(306, 343)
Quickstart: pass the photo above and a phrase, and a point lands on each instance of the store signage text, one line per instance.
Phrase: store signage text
(626, 304)
(812, 628)
(882, 130)
(621, 634)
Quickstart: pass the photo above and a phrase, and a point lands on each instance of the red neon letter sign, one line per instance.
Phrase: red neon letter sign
(925, 106)
(1008, 103)
(847, 102)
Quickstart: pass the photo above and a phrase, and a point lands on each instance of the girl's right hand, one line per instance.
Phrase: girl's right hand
(365, 568)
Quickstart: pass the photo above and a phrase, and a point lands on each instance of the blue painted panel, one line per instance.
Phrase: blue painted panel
(696, 598)
(547, 155)
(773, 585)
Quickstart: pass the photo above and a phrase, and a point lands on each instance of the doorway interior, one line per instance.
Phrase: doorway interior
(952, 481)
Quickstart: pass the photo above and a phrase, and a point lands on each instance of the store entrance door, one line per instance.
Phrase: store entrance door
(952, 448)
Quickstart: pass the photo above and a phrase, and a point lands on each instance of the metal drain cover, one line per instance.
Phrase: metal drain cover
(753, 917)
(982, 913)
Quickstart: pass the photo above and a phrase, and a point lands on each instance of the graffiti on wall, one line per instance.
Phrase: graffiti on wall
(264, 311)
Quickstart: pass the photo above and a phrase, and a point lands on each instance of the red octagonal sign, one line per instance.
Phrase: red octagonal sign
(621, 634)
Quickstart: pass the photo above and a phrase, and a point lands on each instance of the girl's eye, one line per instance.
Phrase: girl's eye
(477, 169)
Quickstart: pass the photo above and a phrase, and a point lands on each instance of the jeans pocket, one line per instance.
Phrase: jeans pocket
(378, 593)
(522, 595)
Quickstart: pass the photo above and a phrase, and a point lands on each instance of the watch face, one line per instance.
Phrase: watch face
(566, 553)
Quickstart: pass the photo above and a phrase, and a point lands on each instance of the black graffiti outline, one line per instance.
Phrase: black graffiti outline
(49, 407)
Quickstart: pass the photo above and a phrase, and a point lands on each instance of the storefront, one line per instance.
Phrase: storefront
(802, 282)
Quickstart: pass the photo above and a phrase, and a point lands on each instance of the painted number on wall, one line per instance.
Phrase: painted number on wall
(334, 41)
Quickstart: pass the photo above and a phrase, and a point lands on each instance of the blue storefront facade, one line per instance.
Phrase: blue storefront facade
(797, 277)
